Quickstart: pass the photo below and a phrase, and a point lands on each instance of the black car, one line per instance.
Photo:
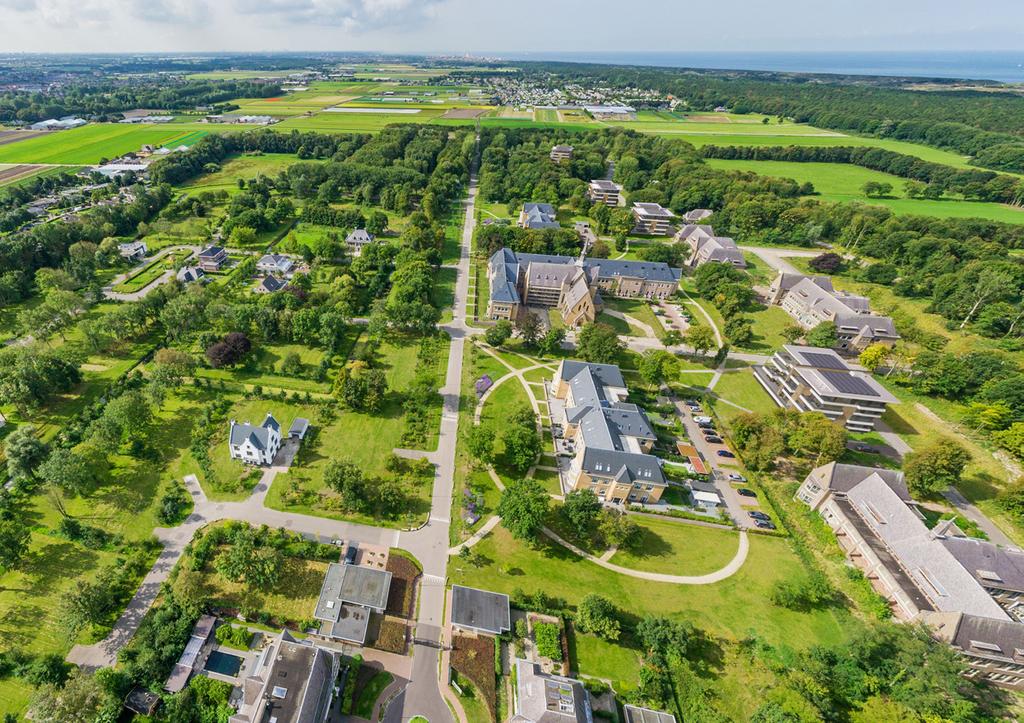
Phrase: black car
(712, 439)
(764, 524)
(747, 492)
(708, 430)
(691, 403)
(758, 515)
(350, 554)
(724, 453)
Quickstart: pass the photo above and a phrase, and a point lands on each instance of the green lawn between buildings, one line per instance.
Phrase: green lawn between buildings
(678, 548)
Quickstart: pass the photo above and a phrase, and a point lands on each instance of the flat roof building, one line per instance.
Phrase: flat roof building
(348, 595)
(652, 219)
(636, 714)
(480, 610)
(540, 697)
(812, 379)
(604, 191)
(561, 153)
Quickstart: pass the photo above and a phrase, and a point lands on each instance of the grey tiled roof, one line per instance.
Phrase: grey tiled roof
(626, 466)
(1007, 636)
(608, 374)
(259, 436)
(844, 477)
(991, 565)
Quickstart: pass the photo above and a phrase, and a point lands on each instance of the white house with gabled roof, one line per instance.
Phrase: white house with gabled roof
(255, 444)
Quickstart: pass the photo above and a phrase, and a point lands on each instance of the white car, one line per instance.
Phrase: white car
(737, 477)
(702, 420)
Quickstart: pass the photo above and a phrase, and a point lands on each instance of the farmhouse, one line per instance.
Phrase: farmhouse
(349, 595)
(651, 219)
(561, 153)
(540, 697)
(357, 239)
(811, 379)
(291, 681)
(275, 264)
(255, 445)
(133, 250)
(572, 285)
(538, 215)
(813, 300)
(612, 437)
(603, 191)
(212, 258)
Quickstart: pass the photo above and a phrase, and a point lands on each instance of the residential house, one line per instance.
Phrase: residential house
(348, 597)
(188, 274)
(276, 264)
(612, 437)
(255, 445)
(189, 659)
(269, 284)
(714, 249)
(697, 215)
(561, 153)
(538, 216)
(357, 240)
(811, 379)
(705, 496)
(133, 250)
(692, 233)
(607, 192)
(212, 258)
(784, 283)
(292, 681)
(540, 697)
(572, 285)
(652, 219)
(810, 302)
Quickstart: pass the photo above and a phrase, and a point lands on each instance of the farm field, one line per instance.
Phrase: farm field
(356, 122)
(90, 143)
(13, 173)
(665, 122)
(242, 166)
(545, 115)
(843, 182)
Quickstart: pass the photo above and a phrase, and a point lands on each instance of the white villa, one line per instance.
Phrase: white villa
(255, 445)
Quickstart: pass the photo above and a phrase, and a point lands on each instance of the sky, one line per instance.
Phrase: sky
(497, 26)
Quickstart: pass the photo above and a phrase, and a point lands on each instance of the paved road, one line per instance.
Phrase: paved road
(776, 258)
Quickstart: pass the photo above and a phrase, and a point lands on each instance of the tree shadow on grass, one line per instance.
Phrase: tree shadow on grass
(650, 545)
(54, 563)
(19, 624)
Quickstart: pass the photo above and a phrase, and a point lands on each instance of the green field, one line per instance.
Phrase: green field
(678, 548)
(545, 115)
(90, 143)
(843, 182)
(356, 122)
(244, 166)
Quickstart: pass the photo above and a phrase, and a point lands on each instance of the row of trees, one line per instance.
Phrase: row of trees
(931, 179)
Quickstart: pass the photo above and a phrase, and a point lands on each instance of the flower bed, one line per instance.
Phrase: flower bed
(474, 658)
(391, 637)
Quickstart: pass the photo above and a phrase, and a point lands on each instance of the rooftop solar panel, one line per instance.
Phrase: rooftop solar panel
(846, 383)
(822, 360)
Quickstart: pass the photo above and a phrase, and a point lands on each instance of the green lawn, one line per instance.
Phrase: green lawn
(153, 271)
(678, 548)
(594, 657)
(843, 182)
(768, 325)
(243, 166)
(264, 369)
(731, 608)
(740, 387)
(90, 143)
(548, 479)
(444, 292)
(639, 309)
(369, 694)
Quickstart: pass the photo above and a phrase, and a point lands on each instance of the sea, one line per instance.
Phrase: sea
(1004, 66)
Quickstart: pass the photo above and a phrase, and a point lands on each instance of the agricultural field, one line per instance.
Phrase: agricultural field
(357, 122)
(545, 115)
(844, 182)
(245, 167)
(668, 123)
(14, 173)
(90, 143)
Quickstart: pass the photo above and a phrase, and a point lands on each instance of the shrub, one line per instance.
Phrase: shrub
(547, 636)
(234, 637)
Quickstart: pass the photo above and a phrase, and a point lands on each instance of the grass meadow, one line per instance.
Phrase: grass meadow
(90, 143)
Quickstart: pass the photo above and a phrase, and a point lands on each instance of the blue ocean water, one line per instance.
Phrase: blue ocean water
(1005, 66)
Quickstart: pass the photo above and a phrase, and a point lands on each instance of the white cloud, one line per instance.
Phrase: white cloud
(347, 14)
(186, 12)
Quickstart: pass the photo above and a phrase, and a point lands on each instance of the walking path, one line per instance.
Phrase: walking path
(712, 577)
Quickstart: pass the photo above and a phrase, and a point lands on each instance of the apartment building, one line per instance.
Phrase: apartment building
(573, 286)
(606, 192)
(811, 379)
(967, 590)
(707, 248)
(813, 300)
(612, 437)
(561, 153)
(652, 219)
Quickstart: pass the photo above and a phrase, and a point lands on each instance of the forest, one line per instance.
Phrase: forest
(107, 100)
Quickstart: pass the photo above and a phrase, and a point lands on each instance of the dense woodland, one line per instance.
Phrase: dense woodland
(107, 100)
(987, 126)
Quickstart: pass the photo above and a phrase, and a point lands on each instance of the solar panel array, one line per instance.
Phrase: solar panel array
(821, 360)
(846, 383)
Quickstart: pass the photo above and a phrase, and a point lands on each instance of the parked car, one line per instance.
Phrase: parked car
(691, 402)
(706, 431)
(712, 439)
(350, 554)
(736, 477)
(764, 524)
(861, 447)
(706, 425)
(704, 420)
(695, 408)
(747, 492)
(758, 515)
(725, 453)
